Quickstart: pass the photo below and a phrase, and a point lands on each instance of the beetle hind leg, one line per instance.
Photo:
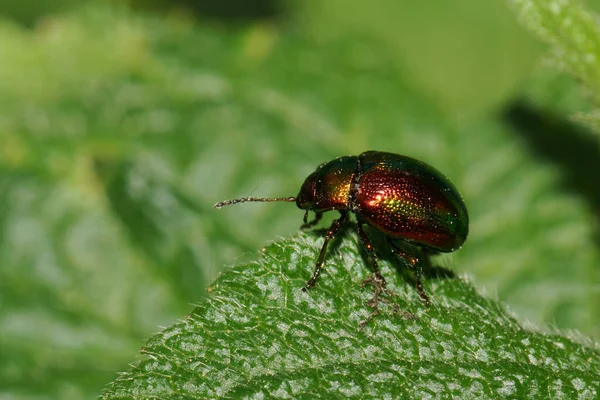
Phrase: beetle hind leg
(333, 229)
(415, 265)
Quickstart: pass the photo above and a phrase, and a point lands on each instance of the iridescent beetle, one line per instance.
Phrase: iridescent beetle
(403, 198)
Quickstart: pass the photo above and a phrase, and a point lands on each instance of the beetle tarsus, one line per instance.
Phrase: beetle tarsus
(369, 318)
(422, 293)
(378, 290)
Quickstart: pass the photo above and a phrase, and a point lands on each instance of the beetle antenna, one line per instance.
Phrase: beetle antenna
(253, 199)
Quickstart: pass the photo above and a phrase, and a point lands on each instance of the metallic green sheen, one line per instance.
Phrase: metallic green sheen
(410, 200)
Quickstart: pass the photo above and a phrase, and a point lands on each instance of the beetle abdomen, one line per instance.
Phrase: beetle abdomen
(410, 200)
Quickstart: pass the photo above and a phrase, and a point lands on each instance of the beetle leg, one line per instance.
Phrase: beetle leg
(312, 223)
(333, 229)
(371, 251)
(414, 263)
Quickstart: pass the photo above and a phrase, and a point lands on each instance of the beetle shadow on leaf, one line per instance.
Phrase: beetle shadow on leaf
(384, 252)
(565, 143)
(431, 271)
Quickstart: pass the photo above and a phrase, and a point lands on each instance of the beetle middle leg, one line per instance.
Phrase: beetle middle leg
(414, 263)
(371, 252)
(377, 281)
(333, 229)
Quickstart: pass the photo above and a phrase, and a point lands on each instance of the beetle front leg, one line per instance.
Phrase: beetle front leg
(312, 223)
(333, 229)
(414, 263)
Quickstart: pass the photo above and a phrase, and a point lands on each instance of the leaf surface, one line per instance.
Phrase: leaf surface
(258, 335)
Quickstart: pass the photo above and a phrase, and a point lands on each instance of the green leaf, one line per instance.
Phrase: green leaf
(258, 335)
(571, 30)
(573, 33)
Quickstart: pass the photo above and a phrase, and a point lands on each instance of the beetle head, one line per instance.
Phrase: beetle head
(306, 198)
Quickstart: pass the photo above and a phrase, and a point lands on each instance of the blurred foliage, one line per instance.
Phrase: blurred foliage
(573, 33)
(120, 131)
(28, 12)
(227, 10)
(468, 55)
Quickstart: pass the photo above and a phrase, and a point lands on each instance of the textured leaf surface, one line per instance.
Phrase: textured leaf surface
(258, 335)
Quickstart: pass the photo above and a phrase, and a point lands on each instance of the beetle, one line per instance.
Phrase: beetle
(405, 199)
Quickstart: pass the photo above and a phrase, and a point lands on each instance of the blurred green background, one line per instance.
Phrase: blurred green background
(122, 123)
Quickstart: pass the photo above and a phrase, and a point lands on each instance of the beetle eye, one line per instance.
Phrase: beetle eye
(306, 198)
